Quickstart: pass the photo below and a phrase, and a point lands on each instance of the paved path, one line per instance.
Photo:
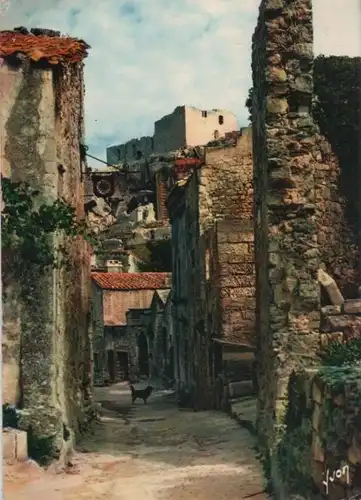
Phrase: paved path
(152, 452)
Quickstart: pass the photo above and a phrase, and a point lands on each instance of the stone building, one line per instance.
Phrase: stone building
(46, 347)
(300, 223)
(185, 127)
(213, 288)
(117, 340)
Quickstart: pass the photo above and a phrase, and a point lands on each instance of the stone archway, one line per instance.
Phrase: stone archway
(143, 354)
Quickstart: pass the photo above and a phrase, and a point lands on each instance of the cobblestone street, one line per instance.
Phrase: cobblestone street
(152, 452)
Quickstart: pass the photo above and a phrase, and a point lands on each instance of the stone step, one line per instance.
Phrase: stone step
(241, 388)
(15, 444)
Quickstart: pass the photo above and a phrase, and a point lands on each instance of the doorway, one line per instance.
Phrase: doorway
(143, 358)
(111, 365)
(122, 366)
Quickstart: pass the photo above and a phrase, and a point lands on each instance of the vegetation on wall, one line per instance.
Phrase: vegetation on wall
(28, 225)
(340, 354)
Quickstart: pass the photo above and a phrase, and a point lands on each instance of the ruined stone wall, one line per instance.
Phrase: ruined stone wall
(130, 150)
(170, 131)
(300, 219)
(42, 116)
(287, 254)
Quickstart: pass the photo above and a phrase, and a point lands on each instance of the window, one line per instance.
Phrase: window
(220, 119)
(216, 134)
(204, 114)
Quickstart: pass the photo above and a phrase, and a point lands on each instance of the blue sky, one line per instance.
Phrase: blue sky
(149, 56)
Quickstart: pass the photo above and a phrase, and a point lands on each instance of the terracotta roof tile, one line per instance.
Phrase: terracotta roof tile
(53, 49)
(132, 281)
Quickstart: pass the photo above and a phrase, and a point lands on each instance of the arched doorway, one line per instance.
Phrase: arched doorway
(143, 358)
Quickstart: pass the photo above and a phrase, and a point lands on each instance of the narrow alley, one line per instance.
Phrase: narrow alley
(155, 451)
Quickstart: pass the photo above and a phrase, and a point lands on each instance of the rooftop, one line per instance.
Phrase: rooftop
(132, 281)
(36, 46)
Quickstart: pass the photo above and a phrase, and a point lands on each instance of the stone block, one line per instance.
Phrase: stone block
(9, 444)
(331, 310)
(352, 306)
(21, 445)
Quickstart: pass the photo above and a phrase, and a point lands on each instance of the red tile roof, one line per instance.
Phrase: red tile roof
(53, 49)
(132, 281)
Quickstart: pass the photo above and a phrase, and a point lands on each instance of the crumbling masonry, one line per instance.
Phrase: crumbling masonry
(299, 216)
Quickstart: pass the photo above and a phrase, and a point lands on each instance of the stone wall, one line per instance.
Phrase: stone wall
(130, 150)
(220, 192)
(170, 131)
(319, 456)
(287, 255)
(225, 180)
(299, 216)
(42, 114)
(237, 281)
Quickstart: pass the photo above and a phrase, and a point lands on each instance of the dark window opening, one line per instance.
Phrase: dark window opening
(139, 155)
(152, 235)
(216, 134)
(204, 114)
(220, 119)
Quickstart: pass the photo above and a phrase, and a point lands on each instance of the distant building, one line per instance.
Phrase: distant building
(186, 127)
(120, 312)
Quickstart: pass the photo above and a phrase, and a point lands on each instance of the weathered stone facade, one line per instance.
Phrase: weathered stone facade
(299, 216)
(46, 347)
(213, 270)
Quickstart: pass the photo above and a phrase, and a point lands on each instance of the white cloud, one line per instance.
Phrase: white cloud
(148, 57)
